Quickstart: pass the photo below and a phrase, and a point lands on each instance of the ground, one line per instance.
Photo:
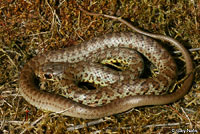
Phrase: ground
(29, 27)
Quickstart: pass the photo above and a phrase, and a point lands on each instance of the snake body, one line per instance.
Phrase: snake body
(123, 95)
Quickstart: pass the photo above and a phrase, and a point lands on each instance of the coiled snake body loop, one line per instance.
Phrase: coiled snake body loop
(122, 101)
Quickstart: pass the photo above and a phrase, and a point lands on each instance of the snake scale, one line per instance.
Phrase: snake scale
(125, 94)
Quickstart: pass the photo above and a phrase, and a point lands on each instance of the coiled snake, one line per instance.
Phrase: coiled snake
(123, 95)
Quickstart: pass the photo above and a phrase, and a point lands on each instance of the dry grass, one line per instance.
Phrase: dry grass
(30, 27)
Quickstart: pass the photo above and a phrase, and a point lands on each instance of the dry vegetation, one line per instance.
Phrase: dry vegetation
(30, 27)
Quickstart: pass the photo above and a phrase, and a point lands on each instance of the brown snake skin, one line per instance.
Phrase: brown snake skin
(140, 42)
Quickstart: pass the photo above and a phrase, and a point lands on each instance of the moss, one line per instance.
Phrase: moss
(30, 27)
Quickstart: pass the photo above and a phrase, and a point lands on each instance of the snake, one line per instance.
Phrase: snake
(119, 96)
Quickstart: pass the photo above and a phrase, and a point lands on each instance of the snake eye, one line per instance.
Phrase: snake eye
(48, 76)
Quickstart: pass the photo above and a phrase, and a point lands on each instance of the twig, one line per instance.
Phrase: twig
(55, 16)
(39, 33)
(60, 4)
(12, 122)
(33, 123)
(28, 1)
(164, 125)
(191, 50)
(191, 126)
(85, 125)
(10, 59)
